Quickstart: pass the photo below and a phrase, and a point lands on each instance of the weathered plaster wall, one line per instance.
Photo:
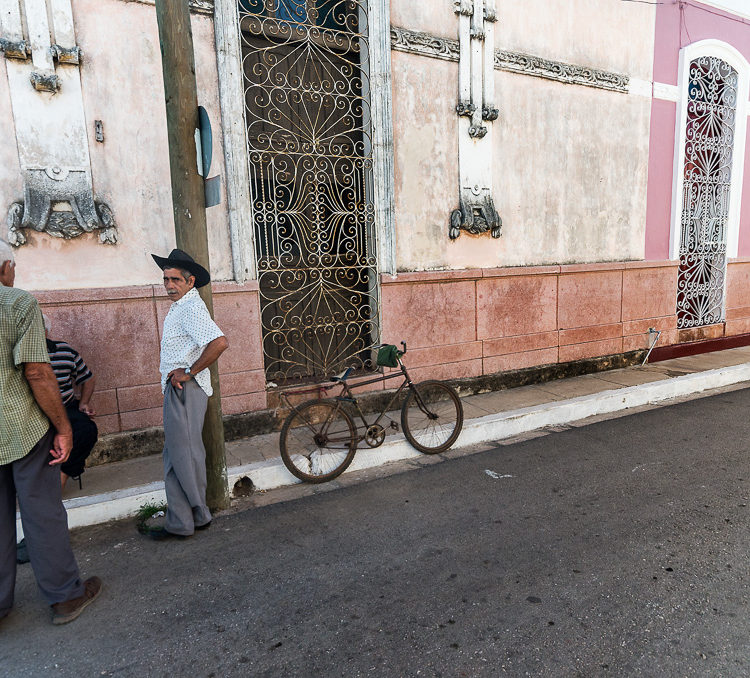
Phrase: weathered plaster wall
(569, 170)
(434, 16)
(570, 163)
(426, 158)
(616, 36)
(122, 86)
(11, 183)
(570, 173)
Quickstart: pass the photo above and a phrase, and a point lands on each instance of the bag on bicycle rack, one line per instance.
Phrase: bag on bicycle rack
(388, 356)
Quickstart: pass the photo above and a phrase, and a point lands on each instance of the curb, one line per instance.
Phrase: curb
(272, 474)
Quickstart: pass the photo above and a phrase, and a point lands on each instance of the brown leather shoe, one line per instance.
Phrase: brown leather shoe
(68, 610)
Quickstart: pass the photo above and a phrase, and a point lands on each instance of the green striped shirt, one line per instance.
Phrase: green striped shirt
(22, 422)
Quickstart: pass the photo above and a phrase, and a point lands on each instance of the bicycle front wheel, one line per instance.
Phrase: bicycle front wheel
(318, 441)
(432, 416)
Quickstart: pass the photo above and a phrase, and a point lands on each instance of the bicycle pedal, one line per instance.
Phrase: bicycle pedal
(394, 426)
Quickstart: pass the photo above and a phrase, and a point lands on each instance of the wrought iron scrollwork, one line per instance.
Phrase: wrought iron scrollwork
(709, 142)
(310, 153)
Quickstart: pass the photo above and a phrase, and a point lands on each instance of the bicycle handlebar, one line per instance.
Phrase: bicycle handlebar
(403, 343)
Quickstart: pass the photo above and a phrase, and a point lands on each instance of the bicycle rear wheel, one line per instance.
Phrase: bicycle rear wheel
(432, 416)
(318, 441)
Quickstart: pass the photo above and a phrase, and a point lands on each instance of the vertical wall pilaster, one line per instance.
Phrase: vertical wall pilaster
(382, 132)
(232, 102)
(476, 111)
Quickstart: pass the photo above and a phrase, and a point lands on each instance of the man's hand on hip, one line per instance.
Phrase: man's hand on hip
(61, 447)
(178, 377)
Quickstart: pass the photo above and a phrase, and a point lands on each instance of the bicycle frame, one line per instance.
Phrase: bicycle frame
(346, 396)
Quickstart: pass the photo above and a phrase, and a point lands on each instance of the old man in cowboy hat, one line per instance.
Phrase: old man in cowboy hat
(191, 342)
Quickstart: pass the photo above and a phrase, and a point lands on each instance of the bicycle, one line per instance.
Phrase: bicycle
(319, 437)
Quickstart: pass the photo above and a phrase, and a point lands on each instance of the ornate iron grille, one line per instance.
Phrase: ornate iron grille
(709, 141)
(307, 100)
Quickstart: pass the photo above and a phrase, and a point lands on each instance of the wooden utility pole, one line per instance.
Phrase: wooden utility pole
(188, 202)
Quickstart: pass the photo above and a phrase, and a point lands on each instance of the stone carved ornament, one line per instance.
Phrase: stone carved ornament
(475, 219)
(424, 44)
(45, 186)
(58, 196)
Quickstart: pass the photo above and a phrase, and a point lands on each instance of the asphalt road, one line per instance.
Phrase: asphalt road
(614, 549)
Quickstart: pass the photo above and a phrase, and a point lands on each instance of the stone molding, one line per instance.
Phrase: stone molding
(424, 44)
(527, 64)
(416, 42)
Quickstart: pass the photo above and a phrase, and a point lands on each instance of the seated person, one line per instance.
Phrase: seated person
(72, 373)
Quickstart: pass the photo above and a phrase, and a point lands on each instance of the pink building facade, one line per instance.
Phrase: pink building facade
(584, 148)
(702, 36)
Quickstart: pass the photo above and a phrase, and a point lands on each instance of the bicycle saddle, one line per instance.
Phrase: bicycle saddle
(343, 376)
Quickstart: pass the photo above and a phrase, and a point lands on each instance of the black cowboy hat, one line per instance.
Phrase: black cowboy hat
(179, 259)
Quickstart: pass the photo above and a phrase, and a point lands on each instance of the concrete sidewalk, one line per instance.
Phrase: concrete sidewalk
(116, 490)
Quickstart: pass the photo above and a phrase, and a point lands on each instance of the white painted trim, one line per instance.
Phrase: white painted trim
(379, 37)
(37, 22)
(666, 92)
(11, 26)
(62, 23)
(232, 101)
(736, 7)
(640, 88)
(733, 57)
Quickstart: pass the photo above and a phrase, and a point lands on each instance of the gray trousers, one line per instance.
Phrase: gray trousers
(185, 458)
(36, 485)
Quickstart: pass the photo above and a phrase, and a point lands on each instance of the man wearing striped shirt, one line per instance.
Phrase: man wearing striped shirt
(72, 373)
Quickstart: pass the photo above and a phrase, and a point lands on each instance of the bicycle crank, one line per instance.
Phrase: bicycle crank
(375, 435)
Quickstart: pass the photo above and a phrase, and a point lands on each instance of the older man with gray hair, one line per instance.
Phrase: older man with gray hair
(35, 437)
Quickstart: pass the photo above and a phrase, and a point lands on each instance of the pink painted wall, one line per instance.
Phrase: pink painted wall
(686, 22)
(106, 324)
(678, 25)
(660, 178)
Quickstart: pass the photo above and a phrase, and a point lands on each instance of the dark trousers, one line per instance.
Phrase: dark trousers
(85, 435)
(36, 485)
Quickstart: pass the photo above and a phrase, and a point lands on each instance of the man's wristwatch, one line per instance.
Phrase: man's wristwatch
(188, 372)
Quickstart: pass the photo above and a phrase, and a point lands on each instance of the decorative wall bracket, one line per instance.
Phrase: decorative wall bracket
(66, 55)
(478, 132)
(476, 217)
(50, 131)
(45, 187)
(18, 49)
(465, 108)
(44, 82)
(476, 63)
(490, 114)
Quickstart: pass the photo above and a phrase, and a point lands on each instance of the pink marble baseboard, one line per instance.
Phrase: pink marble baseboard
(457, 324)
(517, 361)
(590, 349)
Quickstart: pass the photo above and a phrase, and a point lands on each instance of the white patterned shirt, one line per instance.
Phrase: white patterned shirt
(188, 329)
